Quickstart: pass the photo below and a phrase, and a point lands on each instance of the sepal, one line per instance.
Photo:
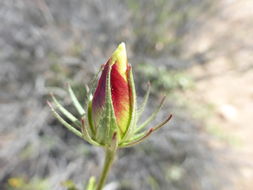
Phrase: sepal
(133, 117)
(107, 124)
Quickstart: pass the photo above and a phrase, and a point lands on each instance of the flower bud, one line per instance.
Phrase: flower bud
(112, 116)
(112, 103)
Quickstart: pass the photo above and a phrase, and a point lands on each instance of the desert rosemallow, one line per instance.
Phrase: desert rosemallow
(111, 117)
(113, 97)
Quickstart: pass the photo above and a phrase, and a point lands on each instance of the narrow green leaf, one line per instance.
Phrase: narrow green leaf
(163, 123)
(137, 141)
(144, 103)
(63, 122)
(135, 137)
(141, 136)
(151, 118)
(75, 101)
(63, 110)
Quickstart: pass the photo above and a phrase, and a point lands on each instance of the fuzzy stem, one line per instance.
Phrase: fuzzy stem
(109, 157)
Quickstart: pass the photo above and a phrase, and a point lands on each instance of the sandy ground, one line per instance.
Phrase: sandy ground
(225, 81)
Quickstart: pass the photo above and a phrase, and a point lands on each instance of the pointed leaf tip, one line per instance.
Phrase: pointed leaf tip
(163, 123)
(49, 104)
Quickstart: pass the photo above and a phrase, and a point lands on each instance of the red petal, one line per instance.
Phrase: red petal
(120, 97)
(120, 92)
(99, 95)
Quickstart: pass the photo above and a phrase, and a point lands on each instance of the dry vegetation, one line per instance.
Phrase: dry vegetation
(47, 43)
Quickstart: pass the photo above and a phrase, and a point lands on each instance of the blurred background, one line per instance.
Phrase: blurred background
(197, 52)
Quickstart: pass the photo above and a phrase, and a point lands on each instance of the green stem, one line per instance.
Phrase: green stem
(109, 157)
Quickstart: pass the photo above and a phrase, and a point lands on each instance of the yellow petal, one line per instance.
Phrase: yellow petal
(119, 57)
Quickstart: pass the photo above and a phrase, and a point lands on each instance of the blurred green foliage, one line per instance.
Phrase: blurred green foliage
(154, 184)
(164, 79)
(219, 133)
(160, 25)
